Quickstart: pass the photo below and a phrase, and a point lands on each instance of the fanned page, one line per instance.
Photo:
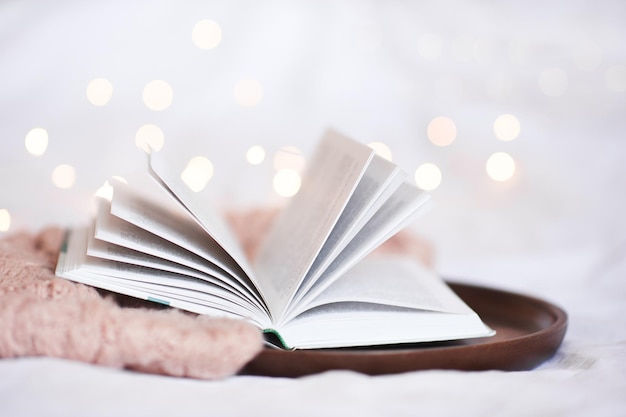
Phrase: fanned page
(399, 210)
(302, 228)
(200, 206)
(383, 300)
(158, 219)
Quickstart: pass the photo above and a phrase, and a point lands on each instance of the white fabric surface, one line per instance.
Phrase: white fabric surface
(556, 230)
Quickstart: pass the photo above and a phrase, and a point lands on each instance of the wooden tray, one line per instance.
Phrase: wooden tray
(529, 331)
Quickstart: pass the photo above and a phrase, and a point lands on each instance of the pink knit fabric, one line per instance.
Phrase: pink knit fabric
(43, 315)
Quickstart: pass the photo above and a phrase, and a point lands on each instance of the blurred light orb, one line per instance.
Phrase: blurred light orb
(105, 191)
(206, 34)
(553, 82)
(5, 220)
(289, 157)
(248, 93)
(382, 150)
(500, 166)
(64, 176)
(157, 95)
(197, 173)
(441, 131)
(615, 78)
(99, 91)
(430, 46)
(255, 155)
(286, 182)
(36, 141)
(428, 176)
(506, 127)
(149, 137)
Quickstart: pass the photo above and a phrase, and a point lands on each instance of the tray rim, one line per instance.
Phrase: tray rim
(541, 345)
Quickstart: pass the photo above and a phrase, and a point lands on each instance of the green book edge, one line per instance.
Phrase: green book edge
(273, 337)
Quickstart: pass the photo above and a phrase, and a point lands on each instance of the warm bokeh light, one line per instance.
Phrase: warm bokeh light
(255, 155)
(506, 127)
(149, 137)
(553, 82)
(64, 176)
(428, 176)
(36, 141)
(157, 95)
(5, 220)
(197, 173)
(441, 131)
(287, 182)
(500, 166)
(615, 78)
(99, 91)
(248, 93)
(105, 192)
(206, 34)
(289, 157)
(382, 150)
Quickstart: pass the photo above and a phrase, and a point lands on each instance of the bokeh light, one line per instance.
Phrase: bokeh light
(157, 95)
(64, 176)
(206, 34)
(441, 131)
(255, 155)
(382, 150)
(500, 166)
(5, 220)
(428, 176)
(36, 141)
(149, 137)
(287, 182)
(506, 127)
(99, 91)
(248, 93)
(105, 191)
(197, 173)
(553, 82)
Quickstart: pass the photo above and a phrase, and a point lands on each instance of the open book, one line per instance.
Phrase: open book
(309, 285)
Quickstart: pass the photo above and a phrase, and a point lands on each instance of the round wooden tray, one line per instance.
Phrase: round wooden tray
(529, 331)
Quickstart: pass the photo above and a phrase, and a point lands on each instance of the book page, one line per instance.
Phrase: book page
(200, 206)
(380, 180)
(121, 233)
(300, 230)
(383, 300)
(392, 280)
(103, 249)
(75, 265)
(398, 211)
